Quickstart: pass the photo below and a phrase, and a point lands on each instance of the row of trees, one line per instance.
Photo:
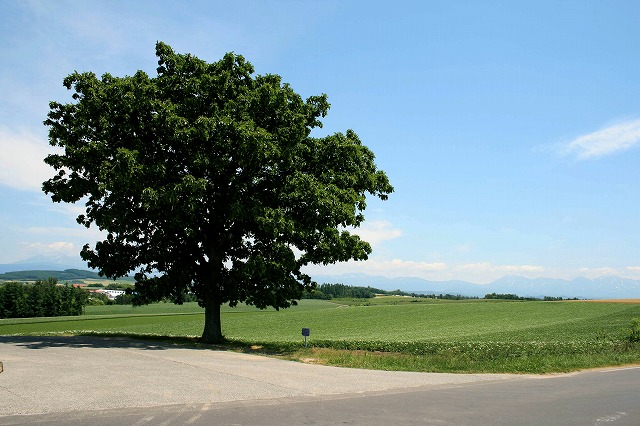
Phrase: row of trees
(127, 298)
(331, 291)
(509, 296)
(44, 298)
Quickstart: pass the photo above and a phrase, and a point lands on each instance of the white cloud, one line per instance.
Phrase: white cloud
(57, 248)
(612, 139)
(630, 272)
(376, 231)
(388, 268)
(21, 163)
(485, 267)
(423, 266)
(479, 272)
(399, 267)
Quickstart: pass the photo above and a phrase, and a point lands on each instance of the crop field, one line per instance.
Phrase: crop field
(389, 333)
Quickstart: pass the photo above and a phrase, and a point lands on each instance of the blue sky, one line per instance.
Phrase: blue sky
(510, 130)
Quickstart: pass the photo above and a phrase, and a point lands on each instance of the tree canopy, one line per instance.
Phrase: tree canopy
(206, 179)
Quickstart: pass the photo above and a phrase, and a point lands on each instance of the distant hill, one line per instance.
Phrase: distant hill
(66, 275)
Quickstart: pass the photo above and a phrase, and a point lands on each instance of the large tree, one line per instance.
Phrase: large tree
(206, 179)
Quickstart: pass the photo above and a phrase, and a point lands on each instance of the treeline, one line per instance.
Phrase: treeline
(505, 296)
(336, 291)
(44, 298)
(128, 298)
(516, 297)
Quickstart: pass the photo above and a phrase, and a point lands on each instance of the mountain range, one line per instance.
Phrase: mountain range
(582, 288)
(41, 262)
(600, 288)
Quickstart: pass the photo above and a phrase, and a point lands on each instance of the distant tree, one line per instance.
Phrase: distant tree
(98, 299)
(13, 297)
(123, 299)
(41, 299)
(117, 286)
(207, 181)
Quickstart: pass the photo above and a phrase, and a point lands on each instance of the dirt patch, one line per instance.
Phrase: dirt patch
(628, 301)
(315, 361)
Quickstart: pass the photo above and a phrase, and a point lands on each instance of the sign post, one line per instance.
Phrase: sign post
(306, 333)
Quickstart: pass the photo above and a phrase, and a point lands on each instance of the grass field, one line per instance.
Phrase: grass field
(390, 332)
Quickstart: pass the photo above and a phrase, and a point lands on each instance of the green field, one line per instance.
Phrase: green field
(389, 333)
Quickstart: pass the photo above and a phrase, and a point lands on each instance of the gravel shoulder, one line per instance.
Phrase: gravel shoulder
(64, 374)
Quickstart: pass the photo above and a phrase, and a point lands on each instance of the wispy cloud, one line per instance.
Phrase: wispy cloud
(58, 247)
(376, 231)
(388, 268)
(612, 139)
(21, 163)
(485, 267)
(481, 272)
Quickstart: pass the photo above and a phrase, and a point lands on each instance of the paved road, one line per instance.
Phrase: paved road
(120, 381)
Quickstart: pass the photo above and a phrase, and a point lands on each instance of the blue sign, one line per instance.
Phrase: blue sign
(306, 332)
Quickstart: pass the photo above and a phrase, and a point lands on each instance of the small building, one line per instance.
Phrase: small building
(111, 294)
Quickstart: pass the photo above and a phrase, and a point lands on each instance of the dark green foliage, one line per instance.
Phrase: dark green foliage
(516, 297)
(207, 181)
(508, 297)
(97, 299)
(446, 296)
(40, 299)
(341, 290)
(123, 299)
(633, 332)
(118, 286)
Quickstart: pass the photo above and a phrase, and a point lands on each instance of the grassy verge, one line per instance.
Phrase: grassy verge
(389, 334)
(464, 363)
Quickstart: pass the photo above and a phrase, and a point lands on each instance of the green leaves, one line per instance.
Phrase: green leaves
(208, 175)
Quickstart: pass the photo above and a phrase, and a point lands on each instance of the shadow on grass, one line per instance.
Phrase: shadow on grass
(145, 342)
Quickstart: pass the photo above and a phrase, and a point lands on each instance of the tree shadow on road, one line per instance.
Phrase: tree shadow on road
(101, 341)
(145, 342)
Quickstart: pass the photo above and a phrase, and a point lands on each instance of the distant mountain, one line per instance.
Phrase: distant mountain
(600, 288)
(51, 263)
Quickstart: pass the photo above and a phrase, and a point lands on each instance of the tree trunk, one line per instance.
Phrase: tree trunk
(212, 326)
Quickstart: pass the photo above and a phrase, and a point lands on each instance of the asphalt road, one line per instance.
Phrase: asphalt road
(95, 381)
